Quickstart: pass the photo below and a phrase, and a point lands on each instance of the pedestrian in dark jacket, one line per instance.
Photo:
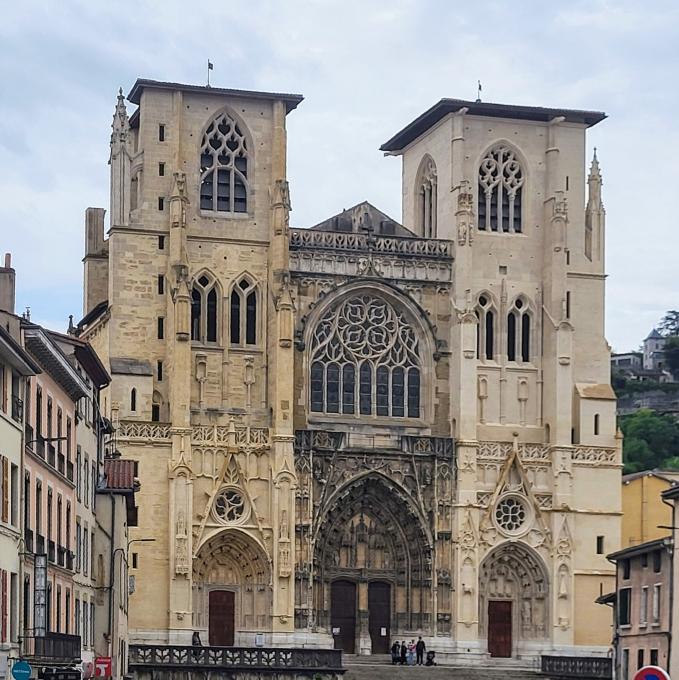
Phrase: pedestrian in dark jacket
(395, 652)
(420, 648)
(404, 653)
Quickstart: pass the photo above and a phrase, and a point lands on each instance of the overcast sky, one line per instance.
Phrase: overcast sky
(366, 69)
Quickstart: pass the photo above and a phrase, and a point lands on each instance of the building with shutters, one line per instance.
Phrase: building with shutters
(369, 429)
(16, 367)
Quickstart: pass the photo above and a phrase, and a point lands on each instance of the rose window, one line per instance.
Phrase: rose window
(230, 505)
(511, 514)
(365, 360)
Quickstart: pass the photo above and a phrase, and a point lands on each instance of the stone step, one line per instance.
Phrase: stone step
(380, 671)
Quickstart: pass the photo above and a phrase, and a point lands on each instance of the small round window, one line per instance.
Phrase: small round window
(511, 514)
(230, 505)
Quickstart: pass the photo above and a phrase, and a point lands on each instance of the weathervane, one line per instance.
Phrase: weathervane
(210, 67)
(478, 93)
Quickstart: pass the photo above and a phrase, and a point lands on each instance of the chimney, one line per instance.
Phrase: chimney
(7, 285)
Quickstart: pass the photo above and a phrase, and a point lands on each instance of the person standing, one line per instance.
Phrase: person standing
(420, 649)
(395, 652)
(411, 653)
(404, 653)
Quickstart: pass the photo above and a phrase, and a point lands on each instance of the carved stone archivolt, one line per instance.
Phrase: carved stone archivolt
(233, 560)
(372, 515)
(513, 571)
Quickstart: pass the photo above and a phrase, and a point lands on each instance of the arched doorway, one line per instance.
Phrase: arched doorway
(232, 589)
(373, 566)
(513, 598)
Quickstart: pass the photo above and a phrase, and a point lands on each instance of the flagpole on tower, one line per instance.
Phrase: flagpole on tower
(210, 67)
(478, 93)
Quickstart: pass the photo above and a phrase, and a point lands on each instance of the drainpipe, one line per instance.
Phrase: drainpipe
(616, 639)
(111, 576)
(671, 551)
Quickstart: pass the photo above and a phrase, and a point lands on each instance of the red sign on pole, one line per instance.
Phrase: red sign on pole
(102, 667)
(651, 673)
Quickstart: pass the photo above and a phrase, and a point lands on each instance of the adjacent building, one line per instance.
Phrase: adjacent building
(56, 544)
(16, 367)
(372, 428)
(645, 515)
(643, 615)
(91, 429)
(53, 549)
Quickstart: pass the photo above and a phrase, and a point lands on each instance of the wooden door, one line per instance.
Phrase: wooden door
(379, 612)
(343, 615)
(500, 628)
(222, 615)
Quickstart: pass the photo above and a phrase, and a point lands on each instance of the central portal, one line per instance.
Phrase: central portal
(379, 616)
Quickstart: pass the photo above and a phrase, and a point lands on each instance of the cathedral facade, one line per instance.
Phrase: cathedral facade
(366, 430)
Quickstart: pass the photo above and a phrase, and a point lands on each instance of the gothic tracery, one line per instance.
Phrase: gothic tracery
(365, 359)
(501, 182)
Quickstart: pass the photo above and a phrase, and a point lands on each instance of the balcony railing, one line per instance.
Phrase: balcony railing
(28, 540)
(583, 667)
(51, 647)
(146, 657)
(39, 544)
(51, 551)
(17, 409)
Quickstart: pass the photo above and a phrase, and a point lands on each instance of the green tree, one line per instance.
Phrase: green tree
(651, 440)
(669, 324)
(671, 352)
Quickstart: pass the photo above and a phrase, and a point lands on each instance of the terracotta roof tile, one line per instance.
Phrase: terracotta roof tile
(120, 474)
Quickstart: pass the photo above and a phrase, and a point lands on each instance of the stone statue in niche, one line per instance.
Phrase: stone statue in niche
(284, 532)
(181, 560)
(284, 563)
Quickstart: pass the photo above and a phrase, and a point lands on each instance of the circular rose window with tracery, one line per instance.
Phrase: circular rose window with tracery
(230, 505)
(511, 514)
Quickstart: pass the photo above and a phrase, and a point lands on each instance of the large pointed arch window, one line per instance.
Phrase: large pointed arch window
(501, 181)
(365, 361)
(519, 331)
(224, 161)
(426, 198)
(204, 309)
(243, 317)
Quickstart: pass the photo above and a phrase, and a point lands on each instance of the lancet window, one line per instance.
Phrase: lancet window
(243, 322)
(501, 182)
(485, 329)
(427, 198)
(204, 306)
(519, 331)
(365, 361)
(224, 167)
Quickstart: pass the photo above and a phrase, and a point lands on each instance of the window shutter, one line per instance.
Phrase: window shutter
(5, 489)
(3, 634)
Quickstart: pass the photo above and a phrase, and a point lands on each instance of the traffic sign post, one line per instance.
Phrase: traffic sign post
(651, 673)
(21, 670)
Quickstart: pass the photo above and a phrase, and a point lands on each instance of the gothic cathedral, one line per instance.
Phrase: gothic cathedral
(365, 430)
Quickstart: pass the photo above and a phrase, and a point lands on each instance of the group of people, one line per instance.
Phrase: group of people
(411, 653)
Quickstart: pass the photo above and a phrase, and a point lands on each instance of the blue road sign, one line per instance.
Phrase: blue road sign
(21, 670)
(651, 673)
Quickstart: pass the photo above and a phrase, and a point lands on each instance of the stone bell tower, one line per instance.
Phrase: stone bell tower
(197, 330)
